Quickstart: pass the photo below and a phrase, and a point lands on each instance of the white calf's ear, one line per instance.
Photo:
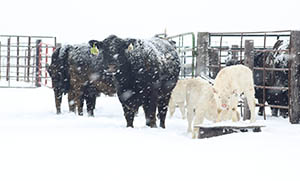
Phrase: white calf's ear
(214, 90)
(130, 47)
(234, 92)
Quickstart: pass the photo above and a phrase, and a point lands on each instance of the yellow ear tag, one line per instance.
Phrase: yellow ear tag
(94, 50)
(130, 47)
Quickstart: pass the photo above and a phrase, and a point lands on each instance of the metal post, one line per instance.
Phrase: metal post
(264, 76)
(202, 56)
(55, 43)
(249, 62)
(18, 57)
(57, 46)
(220, 53)
(28, 59)
(193, 54)
(46, 76)
(294, 100)
(8, 60)
(37, 63)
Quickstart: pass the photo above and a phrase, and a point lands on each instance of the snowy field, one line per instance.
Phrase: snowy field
(38, 145)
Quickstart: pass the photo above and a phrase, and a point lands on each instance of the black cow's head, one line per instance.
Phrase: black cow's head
(114, 50)
(58, 70)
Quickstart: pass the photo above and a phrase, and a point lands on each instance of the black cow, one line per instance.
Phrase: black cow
(59, 73)
(87, 77)
(281, 60)
(82, 73)
(258, 75)
(146, 72)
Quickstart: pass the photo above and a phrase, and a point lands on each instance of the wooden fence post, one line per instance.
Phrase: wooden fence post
(213, 55)
(249, 62)
(202, 54)
(294, 99)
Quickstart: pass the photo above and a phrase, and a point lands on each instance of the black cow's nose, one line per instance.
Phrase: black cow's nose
(112, 68)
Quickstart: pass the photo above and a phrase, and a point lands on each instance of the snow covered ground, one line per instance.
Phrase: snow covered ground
(38, 145)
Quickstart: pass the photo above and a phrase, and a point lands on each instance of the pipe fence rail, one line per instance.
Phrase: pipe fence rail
(23, 60)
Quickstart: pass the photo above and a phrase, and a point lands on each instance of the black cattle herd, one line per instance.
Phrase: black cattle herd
(141, 72)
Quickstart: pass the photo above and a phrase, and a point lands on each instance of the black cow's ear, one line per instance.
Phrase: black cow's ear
(96, 43)
(129, 43)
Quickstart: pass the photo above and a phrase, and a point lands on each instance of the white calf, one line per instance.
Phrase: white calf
(230, 83)
(202, 104)
(178, 98)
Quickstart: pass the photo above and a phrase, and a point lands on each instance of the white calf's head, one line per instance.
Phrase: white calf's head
(224, 98)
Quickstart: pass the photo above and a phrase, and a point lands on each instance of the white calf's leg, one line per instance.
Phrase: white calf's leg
(171, 107)
(251, 103)
(199, 117)
(235, 115)
(219, 112)
(195, 133)
(190, 117)
(182, 109)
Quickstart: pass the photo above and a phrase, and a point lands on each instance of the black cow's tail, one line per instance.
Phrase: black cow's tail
(54, 62)
(59, 69)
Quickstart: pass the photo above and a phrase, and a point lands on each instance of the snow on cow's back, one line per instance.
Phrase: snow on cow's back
(64, 50)
(157, 51)
(163, 49)
(81, 55)
(281, 55)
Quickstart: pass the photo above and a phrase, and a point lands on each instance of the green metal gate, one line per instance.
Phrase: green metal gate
(185, 45)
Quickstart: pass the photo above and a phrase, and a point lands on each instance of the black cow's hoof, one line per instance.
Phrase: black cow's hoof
(91, 114)
(152, 125)
(129, 125)
(162, 126)
(284, 116)
(260, 113)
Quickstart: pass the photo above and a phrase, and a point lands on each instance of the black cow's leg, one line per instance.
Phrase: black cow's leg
(90, 102)
(80, 105)
(261, 108)
(274, 112)
(71, 101)
(58, 98)
(259, 96)
(284, 102)
(150, 110)
(129, 115)
(162, 109)
(284, 113)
